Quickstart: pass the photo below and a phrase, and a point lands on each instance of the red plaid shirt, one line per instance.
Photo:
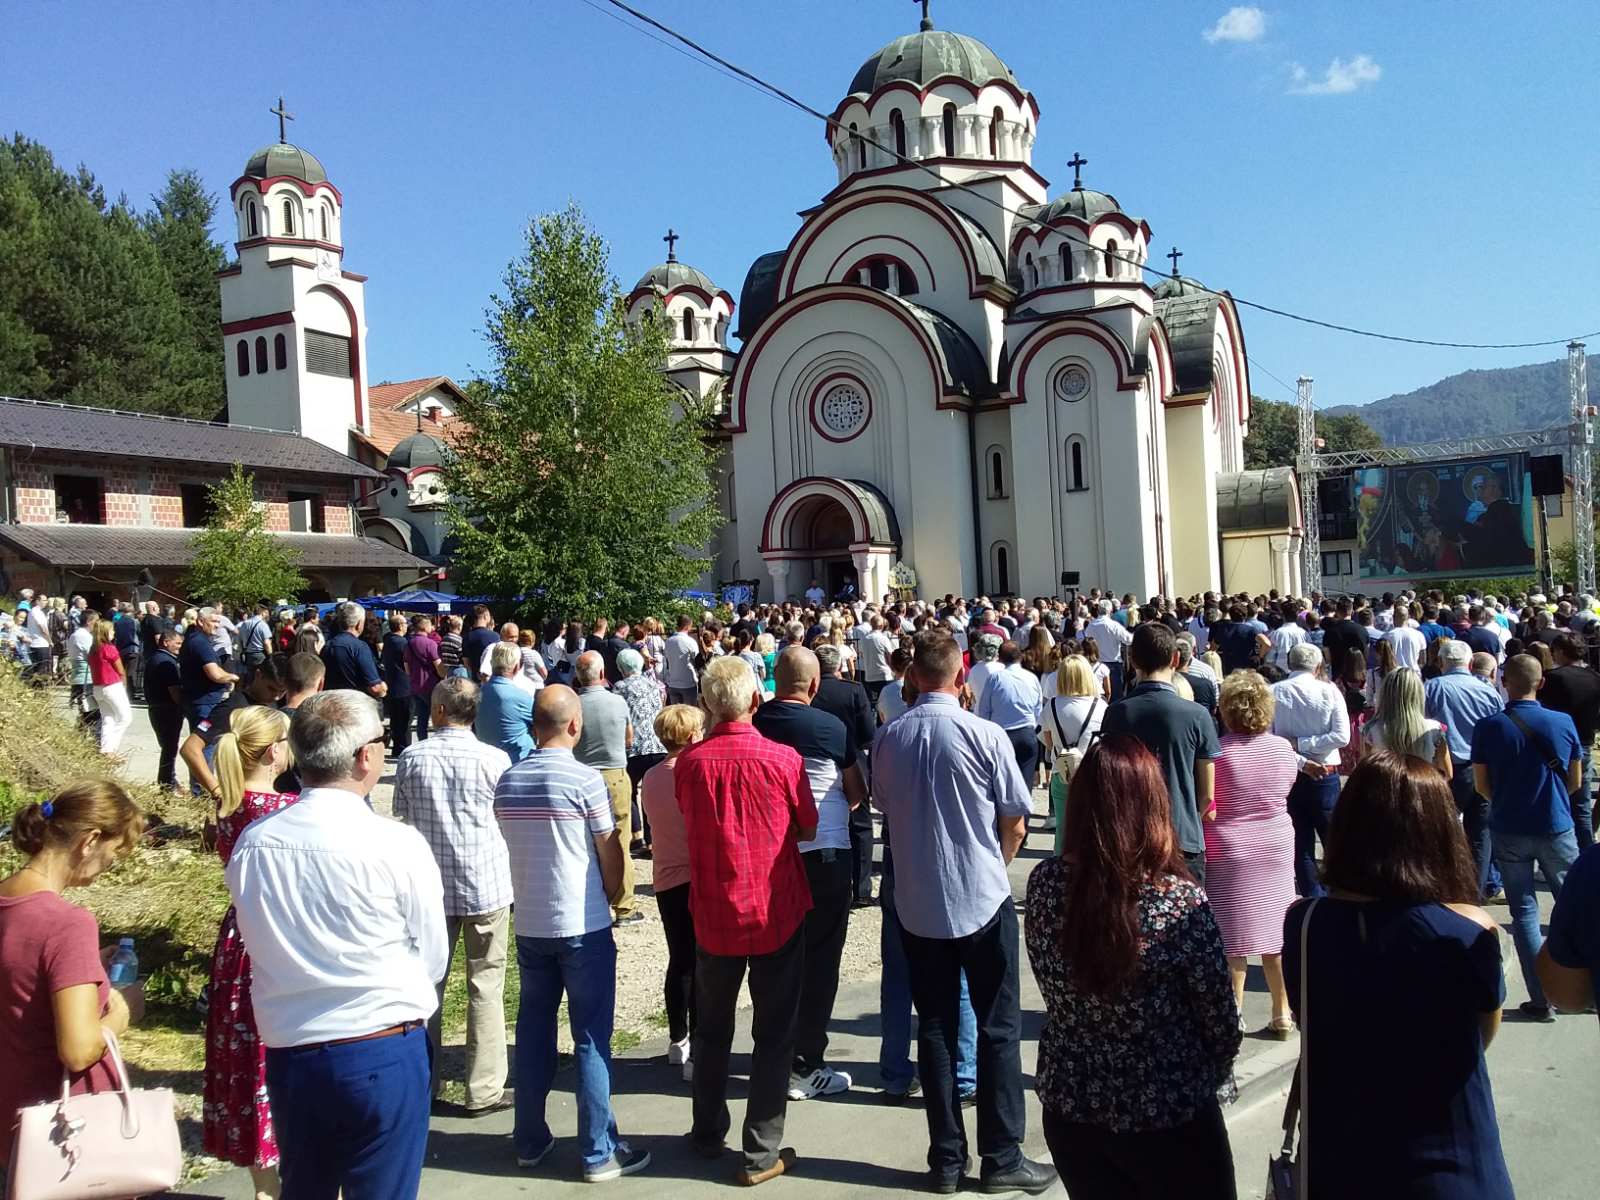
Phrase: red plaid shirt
(744, 799)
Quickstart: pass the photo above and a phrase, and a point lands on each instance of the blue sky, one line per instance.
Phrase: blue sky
(1417, 168)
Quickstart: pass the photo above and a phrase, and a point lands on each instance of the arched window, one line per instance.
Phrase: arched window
(897, 123)
(1002, 569)
(325, 222)
(254, 227)
(997, 473)
(858, 147)
(1066, 262)
(261, 355)
(1077, 475)
(280, 353)
(688, 324)
(288, 217)
(949, 130)
(994, 133)
(242, 350)
(1111, 259)
(1030, 276)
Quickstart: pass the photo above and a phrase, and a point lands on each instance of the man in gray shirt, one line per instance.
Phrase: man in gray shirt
(956, 806)
(603, 745)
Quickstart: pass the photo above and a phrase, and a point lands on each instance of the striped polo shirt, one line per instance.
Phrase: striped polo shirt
(551, 807)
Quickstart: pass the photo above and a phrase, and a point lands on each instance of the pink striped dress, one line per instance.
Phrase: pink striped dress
(1250, 844)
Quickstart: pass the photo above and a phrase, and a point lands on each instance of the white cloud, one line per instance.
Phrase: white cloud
(1242, 23)
(1339, 78)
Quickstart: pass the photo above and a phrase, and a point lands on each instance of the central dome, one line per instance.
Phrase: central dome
(281, 158)
(672, 274)
(920, 58)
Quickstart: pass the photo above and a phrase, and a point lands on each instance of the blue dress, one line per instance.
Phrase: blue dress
(1400, 1098)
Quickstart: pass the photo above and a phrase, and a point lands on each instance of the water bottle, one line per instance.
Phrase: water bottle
(124, 966)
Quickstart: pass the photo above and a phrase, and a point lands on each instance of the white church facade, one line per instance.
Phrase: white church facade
(949, 368)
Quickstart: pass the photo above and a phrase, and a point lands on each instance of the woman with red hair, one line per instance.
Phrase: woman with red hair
(1141, 1029)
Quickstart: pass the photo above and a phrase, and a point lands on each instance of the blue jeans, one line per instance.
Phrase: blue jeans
(1583, 808)
(421, 706)
(1517, 852)
(586, 969)
(1311, 803)
(351, 1118)
(1474, 810)
(1116, 680)
(894, 1004)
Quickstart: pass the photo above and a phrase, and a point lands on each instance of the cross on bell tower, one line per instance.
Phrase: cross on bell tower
(672, 245)
(927, 21)
(1174, 254)
(1078, 162)
(283, 115)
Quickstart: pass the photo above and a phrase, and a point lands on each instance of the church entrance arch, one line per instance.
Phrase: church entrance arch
(840, 532)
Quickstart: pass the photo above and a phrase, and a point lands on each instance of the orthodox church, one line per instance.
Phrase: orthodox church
(948, 369)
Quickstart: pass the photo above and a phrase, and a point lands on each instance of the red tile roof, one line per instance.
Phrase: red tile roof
(388, 425)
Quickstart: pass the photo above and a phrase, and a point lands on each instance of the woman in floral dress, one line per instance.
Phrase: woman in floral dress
(237, 1121)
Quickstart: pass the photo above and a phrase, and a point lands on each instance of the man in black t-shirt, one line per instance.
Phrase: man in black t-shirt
(1573, 688)
(349, 660)
(475, 642)
(1340, 635)
(163, 693)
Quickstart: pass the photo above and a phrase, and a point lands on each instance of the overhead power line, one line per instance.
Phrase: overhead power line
(658, 31)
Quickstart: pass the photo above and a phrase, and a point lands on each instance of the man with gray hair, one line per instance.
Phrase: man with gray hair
(343, 912)
(505, 711)
(604, 744)
(348, 659)
(1459, 699)
(1312, 715)
(444, 788)
(1201, 678)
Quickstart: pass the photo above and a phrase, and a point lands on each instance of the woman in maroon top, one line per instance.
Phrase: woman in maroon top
(54, 995)
(110, 679)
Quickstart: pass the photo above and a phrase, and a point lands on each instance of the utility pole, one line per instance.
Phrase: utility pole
(1310, 504)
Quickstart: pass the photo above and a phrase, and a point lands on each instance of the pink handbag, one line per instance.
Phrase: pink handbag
(105, 1145)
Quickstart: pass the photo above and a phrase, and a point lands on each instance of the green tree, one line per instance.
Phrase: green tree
(1275, 433)
(580, 477)
(236, 561)
(179, 226)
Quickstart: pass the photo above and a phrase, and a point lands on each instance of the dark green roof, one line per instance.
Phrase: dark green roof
(280, 158)
(920, 58)
(669, 276)
(1174, 286)
(1190, 315)
(419, 450)
(1083, 203)
(1266, 500)
(759, 296)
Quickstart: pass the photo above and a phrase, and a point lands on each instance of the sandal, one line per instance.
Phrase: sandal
(1280, 1028)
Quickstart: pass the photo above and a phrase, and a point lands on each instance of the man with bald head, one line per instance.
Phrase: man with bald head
(829, 749)
(607, 737)
(566, 866)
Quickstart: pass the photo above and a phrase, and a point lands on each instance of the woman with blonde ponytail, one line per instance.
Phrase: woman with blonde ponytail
(237, 1124)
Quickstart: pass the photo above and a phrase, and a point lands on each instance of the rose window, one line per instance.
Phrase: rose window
(843, 409)
(1072, 384)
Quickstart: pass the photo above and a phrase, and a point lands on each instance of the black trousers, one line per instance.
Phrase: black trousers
(398, 710)
(989, 957)
(638, 766)
(861, 840)
(678, 925)
(1193, 1159)
(874, 690)
(1025, 746)
(1196, 862)
(167, 721)
(828, 873)
(775, 996)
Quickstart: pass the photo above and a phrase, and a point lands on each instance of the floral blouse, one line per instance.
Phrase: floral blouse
(643, 695)
(1150, 1057)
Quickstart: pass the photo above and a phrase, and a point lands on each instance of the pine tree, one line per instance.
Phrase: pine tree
(179, 227)
(236, 560)
(580, 478)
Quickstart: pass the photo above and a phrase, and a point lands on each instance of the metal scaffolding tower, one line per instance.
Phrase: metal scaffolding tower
(1306, 463)
(1580, 462)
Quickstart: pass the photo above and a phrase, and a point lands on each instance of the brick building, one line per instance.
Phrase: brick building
(90, 497)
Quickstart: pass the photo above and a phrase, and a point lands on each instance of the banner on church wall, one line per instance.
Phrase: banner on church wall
(1437, 520)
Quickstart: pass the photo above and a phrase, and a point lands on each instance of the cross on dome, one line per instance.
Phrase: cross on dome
(283, 115)
(1078, 162)
(1174, 254)
(927, 21)
(672, 244)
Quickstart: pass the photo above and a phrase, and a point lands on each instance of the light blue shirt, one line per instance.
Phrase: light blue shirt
(942, 777)
(505, 717)
(1458, 700)
(1011, 698)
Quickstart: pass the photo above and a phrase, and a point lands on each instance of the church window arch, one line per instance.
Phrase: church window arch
(998, 472)
(242, 352)
(261, 356)
(858, 146)
(280, 353)
(1111, 259)
(949, 130)
(325, 223)
(688, 324)
(897, 125)
(1030, 274)
(1077, 464)
(251, 215)
(1000, 569)
(1066, 262)
(875, 273)
(288, 217)
(994, 133)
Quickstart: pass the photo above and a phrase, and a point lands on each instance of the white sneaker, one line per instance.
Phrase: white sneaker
(678, 1053)
(824, 1081)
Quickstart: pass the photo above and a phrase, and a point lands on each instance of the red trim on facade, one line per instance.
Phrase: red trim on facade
(823, 294)
(834, 272)
(355, 348)
(816, 398)
(639, 292)
(831, 489)
(1187, 400)
(1127, 381)
(275, 240)
(283, 318)
(1032, 230)
(1241, 360)
(352, 277)
(233, 270)
(263, 186)
(943, 160)
(921, 94)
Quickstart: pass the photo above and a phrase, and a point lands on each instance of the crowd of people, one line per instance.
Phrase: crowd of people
(1196, 755)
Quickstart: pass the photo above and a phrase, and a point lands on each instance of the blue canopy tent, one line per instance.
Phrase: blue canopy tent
(417, 600)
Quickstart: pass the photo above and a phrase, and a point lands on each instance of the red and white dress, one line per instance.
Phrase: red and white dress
(1250, 844)
(237, 1121)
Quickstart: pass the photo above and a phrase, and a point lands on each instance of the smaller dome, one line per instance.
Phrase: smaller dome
(1174, 286)
(1083, 203)
(281, 158)
(672, 274)
(920, 58)
(421, 449)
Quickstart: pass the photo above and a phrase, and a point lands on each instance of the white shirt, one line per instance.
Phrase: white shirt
(1409, 646)
(79, 645)
(1110, 637)
(815, 595)
(978, 676)
(342, 912)
(876, 648)
(1284, 639)
(1198, 666)
(681, 651)
(1312, 715)
(39, 627)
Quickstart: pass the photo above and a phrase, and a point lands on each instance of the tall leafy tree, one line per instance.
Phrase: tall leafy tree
(580, 478)
(237, 561)
(1275, 433)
